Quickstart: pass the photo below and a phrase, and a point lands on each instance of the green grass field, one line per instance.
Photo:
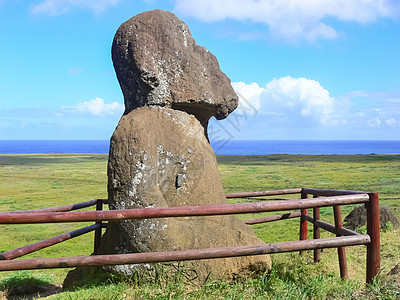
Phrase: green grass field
(45, 180)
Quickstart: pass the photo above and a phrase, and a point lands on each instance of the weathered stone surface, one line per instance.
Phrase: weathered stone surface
(159, 63)
(159, 157)
(358, 217)
(159, 153)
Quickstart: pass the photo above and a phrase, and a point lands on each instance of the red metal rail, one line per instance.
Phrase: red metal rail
(341, 250)
(152, 257)
(329, 227)
(264, 193)
(180, 211)
(295, 214)
(316, 232)
(373, 225)
(373, 230)
(335, 198)
(303, 222)
(47, 243)
(320, 192)
(60, 208)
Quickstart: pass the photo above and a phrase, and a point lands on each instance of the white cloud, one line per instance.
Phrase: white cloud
(305, 19)
(301, 108)
(60, 7)
(375, 122)
(392, 96)
(391, 122)
(289, 98)
(249, 95)
(379, 109)
(95, 107)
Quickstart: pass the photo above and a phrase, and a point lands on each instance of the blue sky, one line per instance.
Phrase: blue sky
(316, 69)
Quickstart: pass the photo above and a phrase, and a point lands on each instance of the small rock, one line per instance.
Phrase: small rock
(358, 217)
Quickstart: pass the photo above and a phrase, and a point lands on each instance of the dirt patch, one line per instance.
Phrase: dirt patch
(357, 218)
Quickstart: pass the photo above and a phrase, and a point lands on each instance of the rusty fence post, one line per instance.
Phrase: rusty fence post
(373, 230)
(98, 231)
(316, 232)
(303, 222)
(341, 250)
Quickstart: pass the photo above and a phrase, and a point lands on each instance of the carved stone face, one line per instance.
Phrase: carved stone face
(159, 63)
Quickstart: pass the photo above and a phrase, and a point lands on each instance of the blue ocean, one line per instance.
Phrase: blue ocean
(230, 147)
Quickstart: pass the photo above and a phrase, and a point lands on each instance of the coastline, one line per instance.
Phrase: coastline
(231, 147)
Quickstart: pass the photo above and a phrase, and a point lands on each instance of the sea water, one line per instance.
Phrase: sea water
(231, 147)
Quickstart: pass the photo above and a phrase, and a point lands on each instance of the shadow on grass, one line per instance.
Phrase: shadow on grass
(25, 285)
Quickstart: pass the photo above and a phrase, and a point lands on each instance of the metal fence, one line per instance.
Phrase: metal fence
(321, 198)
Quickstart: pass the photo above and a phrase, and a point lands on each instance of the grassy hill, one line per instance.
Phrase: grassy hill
(45, 180)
